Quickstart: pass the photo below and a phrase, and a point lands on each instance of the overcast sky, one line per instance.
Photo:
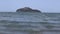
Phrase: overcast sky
(43, 5)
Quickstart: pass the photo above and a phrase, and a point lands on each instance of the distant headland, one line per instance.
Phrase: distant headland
(27, 9)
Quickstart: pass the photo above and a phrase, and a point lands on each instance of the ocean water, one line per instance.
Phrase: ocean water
(22, 23)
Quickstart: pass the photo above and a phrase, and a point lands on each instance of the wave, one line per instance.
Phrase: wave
(9, 21)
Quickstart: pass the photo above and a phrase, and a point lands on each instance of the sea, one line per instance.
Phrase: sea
(11, 22)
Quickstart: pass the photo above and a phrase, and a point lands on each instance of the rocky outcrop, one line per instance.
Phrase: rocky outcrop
(27, 9)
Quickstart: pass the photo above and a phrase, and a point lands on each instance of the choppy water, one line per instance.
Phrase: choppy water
(20, 23)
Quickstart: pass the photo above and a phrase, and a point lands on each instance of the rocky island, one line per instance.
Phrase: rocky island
(27, 9)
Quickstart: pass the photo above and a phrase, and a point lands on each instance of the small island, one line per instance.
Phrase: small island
(27, 9)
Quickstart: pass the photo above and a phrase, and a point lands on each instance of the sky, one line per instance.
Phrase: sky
(42, 5)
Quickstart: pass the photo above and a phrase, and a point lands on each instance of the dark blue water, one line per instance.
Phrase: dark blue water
(25, 22)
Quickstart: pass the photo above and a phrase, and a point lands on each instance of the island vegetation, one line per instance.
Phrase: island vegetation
(27, 9)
